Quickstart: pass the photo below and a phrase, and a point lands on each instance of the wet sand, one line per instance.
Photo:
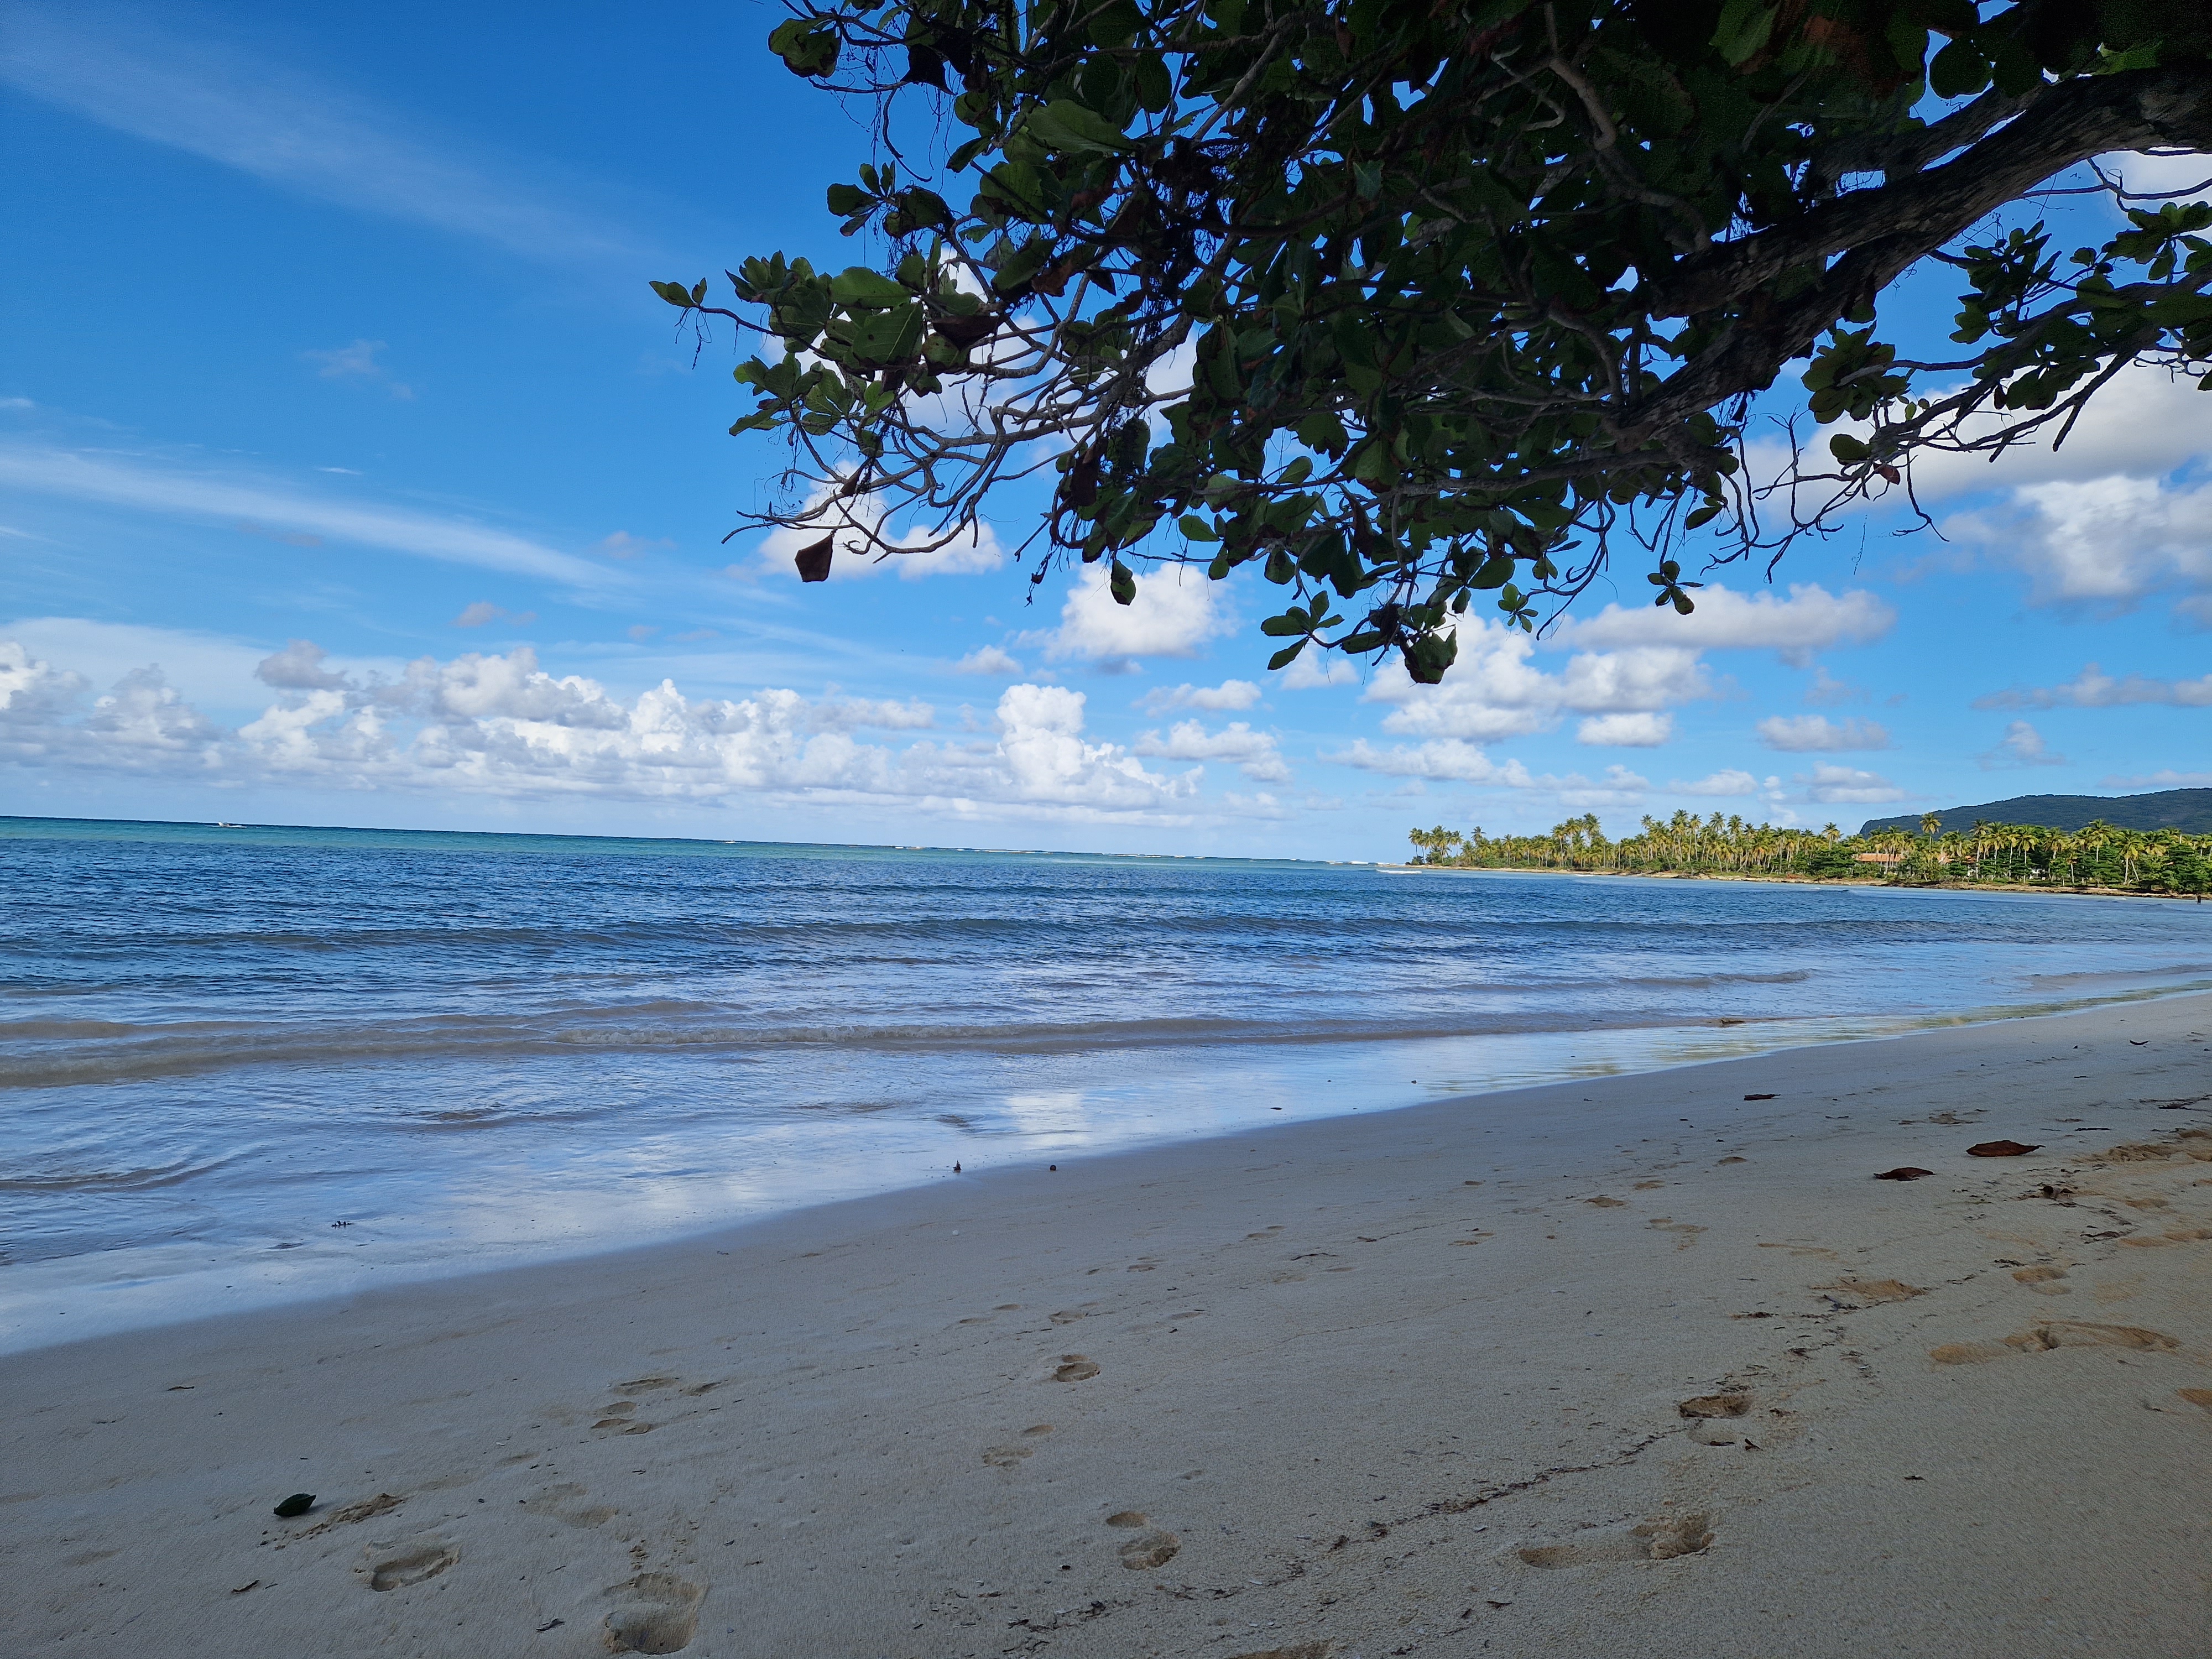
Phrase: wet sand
(1635, 1366)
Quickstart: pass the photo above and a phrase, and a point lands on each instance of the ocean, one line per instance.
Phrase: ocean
(243, 1065)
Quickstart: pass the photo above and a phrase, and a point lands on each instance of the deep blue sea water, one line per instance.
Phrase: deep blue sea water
(239, 1065)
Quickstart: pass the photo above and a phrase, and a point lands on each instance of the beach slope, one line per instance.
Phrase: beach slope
(1640, 1365)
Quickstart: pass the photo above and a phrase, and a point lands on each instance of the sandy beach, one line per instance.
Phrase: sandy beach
(1643, 1365)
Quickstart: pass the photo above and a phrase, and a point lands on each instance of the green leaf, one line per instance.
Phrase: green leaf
(1279, 569)
(1745, 28)
(1065, 126)
(846, 199)
(1957, 71)
(1122, 583)
(858, 286)
(1197, 529)
(1286, 656)
(1847, 449)
(675, 293)
(806, 47)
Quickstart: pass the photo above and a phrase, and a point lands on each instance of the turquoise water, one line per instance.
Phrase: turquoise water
(243, 1064)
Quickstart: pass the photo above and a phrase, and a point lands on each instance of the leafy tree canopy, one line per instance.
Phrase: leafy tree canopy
(1416, 305)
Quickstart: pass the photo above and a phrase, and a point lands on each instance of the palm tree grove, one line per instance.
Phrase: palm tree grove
(2099, 857)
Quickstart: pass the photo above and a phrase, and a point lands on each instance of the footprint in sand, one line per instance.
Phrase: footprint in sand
(1154, 1546)
(1874, 1289)
(653, 1612)
(1731, 1404)
(1602, 1202)
(1654, 1541)
(564, 1504)
(1302, 1650)
(390, 1566)
(1074, 1368)
(622, 1415)
(2040, 1280)
(2055, 1334)
(1685, 1233)
(382, 1504)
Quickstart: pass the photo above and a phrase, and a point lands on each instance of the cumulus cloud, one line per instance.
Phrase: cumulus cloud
(987, 659)
(1641, 730)
(1173, 615)
(1229, 696)
(299, 667)
(1254, 752)
(2102, 545)
(1810, 619)
(2021, 745)
(1845, 785)
(1826, 690)
(1452, 760)
(862, 529)
(1806, 734)
(1311, 670)
(1495, 690)
(2094, 688)
(1733, 781)
(501, 724)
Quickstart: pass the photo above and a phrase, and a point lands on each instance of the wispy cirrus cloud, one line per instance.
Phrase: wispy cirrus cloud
(131, 69)
(260, 505)
(2094, 688)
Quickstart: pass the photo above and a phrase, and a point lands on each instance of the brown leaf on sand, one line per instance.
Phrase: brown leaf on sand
(2000, 1149)
(2197, 1397)
(1904, 1172)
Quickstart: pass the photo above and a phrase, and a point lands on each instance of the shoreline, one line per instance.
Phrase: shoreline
(1782, 880)
(1243, 1395)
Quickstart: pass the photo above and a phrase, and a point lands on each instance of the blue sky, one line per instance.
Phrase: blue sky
(350, 473)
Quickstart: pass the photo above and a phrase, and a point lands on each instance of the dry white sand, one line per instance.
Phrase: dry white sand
(1412, 1383)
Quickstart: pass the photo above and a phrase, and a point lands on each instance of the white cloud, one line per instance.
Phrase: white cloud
(1172, 615)
(1642, 730)
(1732, 781)
(1254, 752)
(1443, 760)
(2094, 688)
(358, 362)
(1826, 690)
(1228, 695)
(501, 724)
(2021, 745)
(2168, 779)
(853, 522)
(1450, 760)
(1810, 619)
(124, 69)
(2103, 543)
(1495, 690)
(481, 611)
(1806, 734)
(207, 668)
(1312, 670)
(128, 482)
(1841, 785)
(621, 545)
(987, 659)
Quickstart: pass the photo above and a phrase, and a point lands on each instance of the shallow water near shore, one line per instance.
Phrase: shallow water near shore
(240, 1066)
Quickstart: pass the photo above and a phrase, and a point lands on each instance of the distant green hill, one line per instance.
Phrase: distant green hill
(2187, 810)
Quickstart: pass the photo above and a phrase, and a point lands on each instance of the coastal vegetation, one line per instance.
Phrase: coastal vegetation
(2099, 856)
(1412, 308)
